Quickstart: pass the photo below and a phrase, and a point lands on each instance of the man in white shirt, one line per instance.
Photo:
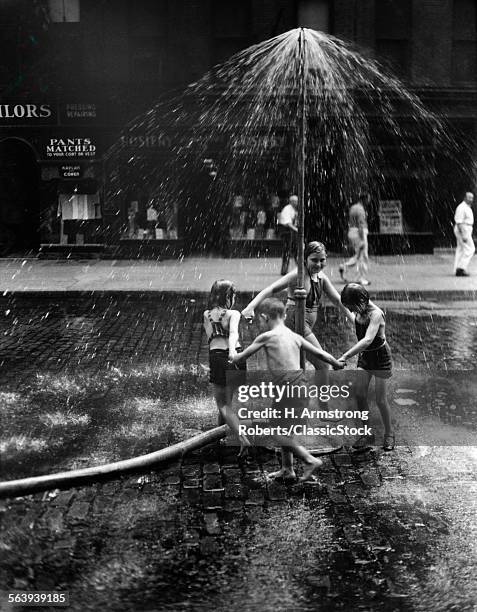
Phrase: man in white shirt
(287, 231)
(464, 224)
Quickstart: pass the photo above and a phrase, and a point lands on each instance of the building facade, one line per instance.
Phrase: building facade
(74, 73)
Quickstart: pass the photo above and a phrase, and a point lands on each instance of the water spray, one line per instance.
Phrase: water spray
(300, 291)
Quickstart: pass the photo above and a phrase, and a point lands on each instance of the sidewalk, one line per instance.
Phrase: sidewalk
(416, 274)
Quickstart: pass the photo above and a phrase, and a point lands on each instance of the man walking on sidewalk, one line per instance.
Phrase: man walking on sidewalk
(287, 230)
(464, 224)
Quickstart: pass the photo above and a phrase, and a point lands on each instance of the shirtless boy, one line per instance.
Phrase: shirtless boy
(282, 350)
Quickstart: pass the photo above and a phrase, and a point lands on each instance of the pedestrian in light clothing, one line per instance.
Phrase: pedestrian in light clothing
(288, 231)
(358, 240)
(464, 224)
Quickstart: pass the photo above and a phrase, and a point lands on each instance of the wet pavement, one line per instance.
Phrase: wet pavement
(89, 380)
(69, 332)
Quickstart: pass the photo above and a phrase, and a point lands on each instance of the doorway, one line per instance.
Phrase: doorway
(19, 199)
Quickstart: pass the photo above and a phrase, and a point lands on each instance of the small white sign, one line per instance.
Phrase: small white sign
(390, 217)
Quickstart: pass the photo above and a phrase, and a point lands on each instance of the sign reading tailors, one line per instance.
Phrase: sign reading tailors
(27, 114)
(70, 147)
(390, 217)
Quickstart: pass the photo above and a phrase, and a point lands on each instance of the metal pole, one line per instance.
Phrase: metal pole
(300, 291)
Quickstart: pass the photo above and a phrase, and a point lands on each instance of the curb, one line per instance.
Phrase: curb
(398, 295)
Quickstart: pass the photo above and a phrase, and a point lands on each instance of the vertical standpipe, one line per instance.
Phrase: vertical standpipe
(300, 292)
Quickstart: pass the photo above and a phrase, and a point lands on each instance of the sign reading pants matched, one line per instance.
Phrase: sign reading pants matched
(390, 217)
(70, 147)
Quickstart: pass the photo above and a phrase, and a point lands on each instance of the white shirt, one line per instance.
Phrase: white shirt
(464, 214)
(288, 215)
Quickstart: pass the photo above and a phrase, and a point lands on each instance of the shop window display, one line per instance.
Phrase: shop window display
(79, 206)
(64, 11)
(150, 220)
(254, 218)
(79, 214)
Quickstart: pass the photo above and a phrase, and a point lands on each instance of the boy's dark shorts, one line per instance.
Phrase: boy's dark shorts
(224, 373)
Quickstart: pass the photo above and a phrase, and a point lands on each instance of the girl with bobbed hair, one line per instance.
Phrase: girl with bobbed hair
(221, 325)
(374, 357)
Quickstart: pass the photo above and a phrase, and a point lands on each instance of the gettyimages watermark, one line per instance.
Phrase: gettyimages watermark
(340, 408)
(291, 413)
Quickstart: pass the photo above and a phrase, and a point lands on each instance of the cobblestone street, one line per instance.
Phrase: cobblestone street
(64, 333)
(167, 443)
(382, 531)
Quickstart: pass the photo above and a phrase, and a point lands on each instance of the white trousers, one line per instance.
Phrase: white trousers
(360, 248)
(465, 247)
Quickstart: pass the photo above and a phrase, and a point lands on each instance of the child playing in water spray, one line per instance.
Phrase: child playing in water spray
(221, 325)
(282, 350)
(374, 357)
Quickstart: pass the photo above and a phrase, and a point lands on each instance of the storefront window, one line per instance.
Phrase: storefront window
(231, 27)
(79, 214)
(150, 219)
(147, 40)
(79, 206)
(464, 42)
(62, 11)
(392, 27)
(254, 217)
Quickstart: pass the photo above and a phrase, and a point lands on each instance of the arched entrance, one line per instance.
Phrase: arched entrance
(19, 198)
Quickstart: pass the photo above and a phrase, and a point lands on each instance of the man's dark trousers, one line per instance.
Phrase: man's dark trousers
(288, 238)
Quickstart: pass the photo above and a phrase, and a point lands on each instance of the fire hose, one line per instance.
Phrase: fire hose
(73, 478)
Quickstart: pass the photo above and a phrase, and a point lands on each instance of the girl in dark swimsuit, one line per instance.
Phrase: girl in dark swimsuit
(316, 284)
(221, 325)
(374, 356)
